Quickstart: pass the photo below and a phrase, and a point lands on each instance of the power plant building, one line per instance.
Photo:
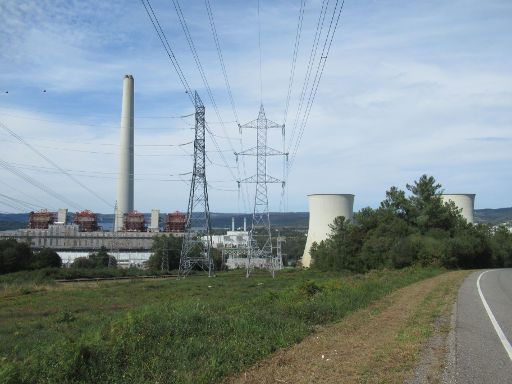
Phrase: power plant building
(323, 209)
(463, 201)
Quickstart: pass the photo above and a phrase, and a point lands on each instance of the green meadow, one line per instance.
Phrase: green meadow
(194, 330)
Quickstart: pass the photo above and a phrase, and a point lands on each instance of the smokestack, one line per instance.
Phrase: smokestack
(233, 223)
(245, 224)
(125, 180)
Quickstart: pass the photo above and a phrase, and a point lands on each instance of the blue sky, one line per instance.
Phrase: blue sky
(409, 87)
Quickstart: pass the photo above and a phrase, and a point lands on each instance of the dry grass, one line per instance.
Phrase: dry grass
(380, 344)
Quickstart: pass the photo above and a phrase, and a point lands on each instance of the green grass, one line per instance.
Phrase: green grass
(196, 330)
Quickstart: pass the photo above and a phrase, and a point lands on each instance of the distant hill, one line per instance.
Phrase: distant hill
(223, 220)
(493, 216)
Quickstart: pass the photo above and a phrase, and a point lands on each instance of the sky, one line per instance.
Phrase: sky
(408, 88)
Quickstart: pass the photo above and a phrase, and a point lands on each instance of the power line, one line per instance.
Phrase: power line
(90, 124)
(294, 58)
(19, 202)
(161, 34)
(50, 161)
(199, 66)
(312, 58)
(41, 203)
(259, 48)
(163, 39)
(221, 58)
(38, 185)
(333, 25)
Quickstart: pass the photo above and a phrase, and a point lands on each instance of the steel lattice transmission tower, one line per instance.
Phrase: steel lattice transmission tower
(197, 241)
(260, 251)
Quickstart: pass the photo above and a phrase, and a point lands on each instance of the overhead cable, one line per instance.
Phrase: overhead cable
(38, 185)
(54, 164)
(221, 58)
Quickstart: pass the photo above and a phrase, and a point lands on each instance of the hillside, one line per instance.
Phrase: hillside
(493, 216)
(278, 219)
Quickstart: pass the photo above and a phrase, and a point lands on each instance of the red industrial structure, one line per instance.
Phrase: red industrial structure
(41, 219)
(87, 221)
(175, 222)
(134, 222)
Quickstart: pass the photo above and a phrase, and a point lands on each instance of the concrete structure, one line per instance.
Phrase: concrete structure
(232, 239)
(464, 201)
(68, 237)
(323, 209)
(124, 259)
(126, 154)
(62, 216)
(154, 226)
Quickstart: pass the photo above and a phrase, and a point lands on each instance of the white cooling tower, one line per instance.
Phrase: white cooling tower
(464, 201)
(323, 209)
(126, 169)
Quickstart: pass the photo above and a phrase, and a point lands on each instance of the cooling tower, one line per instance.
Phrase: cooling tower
(323, 209)
(464, 201)
(125, 180)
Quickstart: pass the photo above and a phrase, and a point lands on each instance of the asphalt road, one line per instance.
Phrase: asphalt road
(481, 355)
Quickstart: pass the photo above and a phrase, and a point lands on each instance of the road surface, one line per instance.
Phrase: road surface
(483, 331)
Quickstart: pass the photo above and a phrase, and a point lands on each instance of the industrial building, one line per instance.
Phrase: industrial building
(131, 237)
(323, 209)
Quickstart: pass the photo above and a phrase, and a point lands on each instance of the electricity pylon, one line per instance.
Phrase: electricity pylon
(197, 240)
(260, 250)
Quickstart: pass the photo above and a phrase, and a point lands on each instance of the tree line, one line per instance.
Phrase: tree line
(415, 228)
(16, 257)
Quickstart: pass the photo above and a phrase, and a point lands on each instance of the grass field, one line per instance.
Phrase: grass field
(196, 330)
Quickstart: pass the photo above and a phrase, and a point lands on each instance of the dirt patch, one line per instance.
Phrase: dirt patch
(381, 343)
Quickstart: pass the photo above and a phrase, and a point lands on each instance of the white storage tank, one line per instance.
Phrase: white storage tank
(323, 209)
(464, 201)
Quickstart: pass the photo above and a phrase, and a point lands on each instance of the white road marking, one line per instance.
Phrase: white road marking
(497, 328)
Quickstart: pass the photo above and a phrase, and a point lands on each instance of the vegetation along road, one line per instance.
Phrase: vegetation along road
(482, 352)
(379, 344)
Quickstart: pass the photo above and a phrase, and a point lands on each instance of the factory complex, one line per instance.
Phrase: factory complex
(131, 237)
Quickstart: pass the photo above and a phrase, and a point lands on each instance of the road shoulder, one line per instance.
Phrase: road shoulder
(382, 343)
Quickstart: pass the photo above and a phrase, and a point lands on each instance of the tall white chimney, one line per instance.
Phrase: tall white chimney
(245, 224)
(232, 223)
(125, 181)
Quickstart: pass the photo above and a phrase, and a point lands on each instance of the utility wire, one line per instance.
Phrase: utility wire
(221, 58)
(161, 34)
(199, 66)
(54, 164)
(333, 25)
(294, 58)
(19, 202)
(312, 59)
(41, 203)
(167, 47)
(259, 48)
(39, 185)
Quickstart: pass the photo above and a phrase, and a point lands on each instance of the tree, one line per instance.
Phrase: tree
(102, 259)
(165, 244)
(14, 256)
(83, 262)
(46, 258)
